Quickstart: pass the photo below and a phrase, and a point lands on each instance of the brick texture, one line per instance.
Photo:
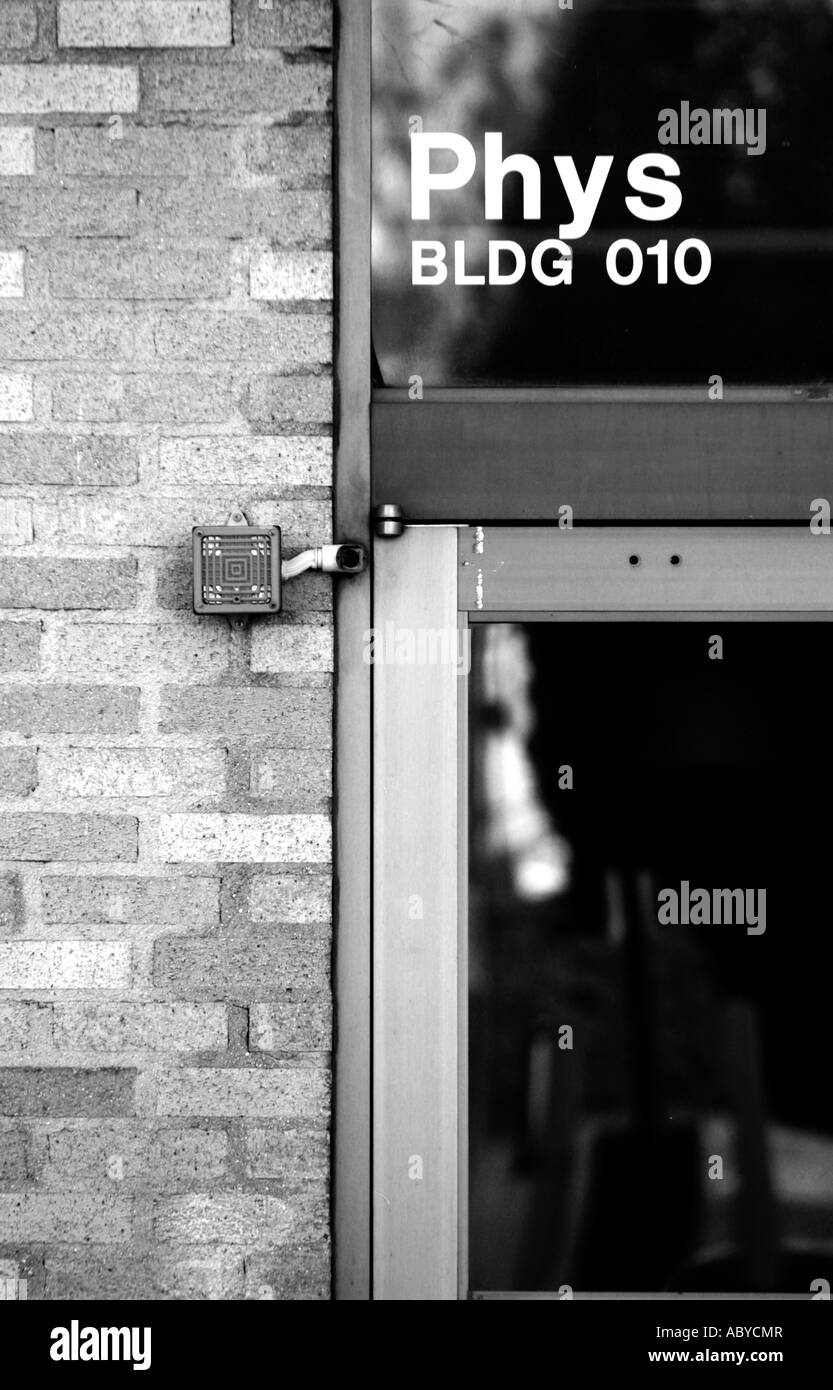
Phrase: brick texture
(102, 271)
(54, 584)
(134, 1156)
(251, 965)
(166, 350)
(19, 646)
(16, 522)
(12, 274)
(18, 24)
(55, 836)
(190, 901)
(60, 88)
(48, 709)
(292, 275)
(18, 771)
(45, 1217)
(66, 1091)
(271, 85)
(277, 1092)
(144, 23)
(287, 24)
(11, 904)
(157, 152)
(294, 156)
(17, 151)
(16, 395)
(92, 460)
(64, 965)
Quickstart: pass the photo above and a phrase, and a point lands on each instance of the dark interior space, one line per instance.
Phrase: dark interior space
(593, 1155)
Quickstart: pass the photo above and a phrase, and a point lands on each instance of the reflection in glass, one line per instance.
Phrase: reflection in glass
(589, 81)
(648, 1108)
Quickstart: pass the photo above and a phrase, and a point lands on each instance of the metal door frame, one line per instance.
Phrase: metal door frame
(435, 578)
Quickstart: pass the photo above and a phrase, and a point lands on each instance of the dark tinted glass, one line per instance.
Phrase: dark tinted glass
(750, 77)
(649, 1108)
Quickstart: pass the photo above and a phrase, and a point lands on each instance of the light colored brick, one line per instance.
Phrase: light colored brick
(17, 151)
(292, 275)
(286, 342)
(41, 88)
(281, 964)
(46, 709)
(54, 1217)
(14, 1144)
(19, 646)
(253, 462)
(286, 218)
(159, 152)
(129, 1027)
(15, 520)
(51, 584)
(47, 836)
(12, 274)
(97, 459)
(181, 772)
(25, 1026)
(18, 24)
(289, 24)
(144, 397)
(208, 1272)
(295, 1157)
(276, 1092)
(18, 775)
(11, 902)
(133, 1155)
(191, 901)
(144, 23)
(271, 514)
(104, 271)
(163, 521)
(111, 654)
(295, 156)
(290, 1275)
(302, 775)
(282, 648)
(16, 398)
(73, 335)
(250, 383)
(302, 1026)
(36, 210)
(273, 86)
(274, 403)
(293, 718)
(290, 898)
(64, 965)
(238, 839)
(240, 1218)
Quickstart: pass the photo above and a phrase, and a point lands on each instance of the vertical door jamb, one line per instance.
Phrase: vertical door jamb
(415, 1092)
(352, 602)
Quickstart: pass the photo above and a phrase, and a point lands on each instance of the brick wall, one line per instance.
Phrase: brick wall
(165, 355)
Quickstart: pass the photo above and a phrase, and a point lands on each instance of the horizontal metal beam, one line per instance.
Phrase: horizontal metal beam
(662, 569)
(478, 459)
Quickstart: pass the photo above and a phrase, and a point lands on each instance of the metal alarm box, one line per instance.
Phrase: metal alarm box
(237, 569)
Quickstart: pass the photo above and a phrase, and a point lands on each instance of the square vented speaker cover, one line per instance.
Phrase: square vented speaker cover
(237, 569)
